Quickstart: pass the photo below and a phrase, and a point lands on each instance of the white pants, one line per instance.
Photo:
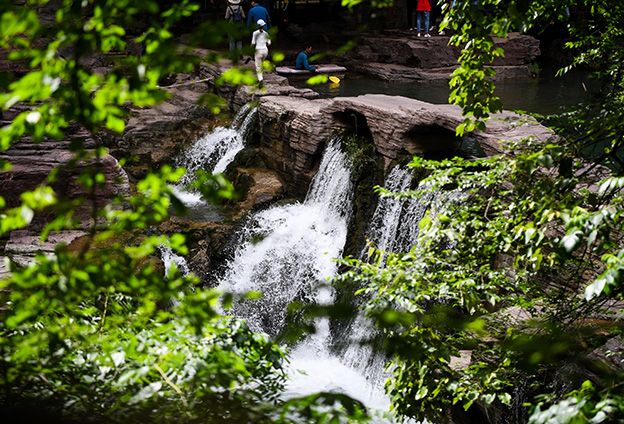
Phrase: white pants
(261, 55)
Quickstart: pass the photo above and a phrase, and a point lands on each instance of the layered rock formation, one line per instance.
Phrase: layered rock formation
(402, 57)
(294, 131)
(33, 163)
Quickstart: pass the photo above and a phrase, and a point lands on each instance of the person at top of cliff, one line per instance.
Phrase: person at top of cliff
(302, 59)
(258, 12)
(423, 8)
(261, 41)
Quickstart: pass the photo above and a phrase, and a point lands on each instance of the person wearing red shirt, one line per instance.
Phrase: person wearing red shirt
(423, 8)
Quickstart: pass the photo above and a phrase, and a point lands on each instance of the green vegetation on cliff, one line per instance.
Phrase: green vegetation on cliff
(510, 306)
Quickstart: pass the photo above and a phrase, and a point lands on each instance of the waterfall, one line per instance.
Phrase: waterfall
(214, 152)
(287, 255)
(394, 226)
(170, 258)
(287, 251)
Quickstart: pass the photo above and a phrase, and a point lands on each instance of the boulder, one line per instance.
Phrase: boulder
(261, 187)
(22, 245)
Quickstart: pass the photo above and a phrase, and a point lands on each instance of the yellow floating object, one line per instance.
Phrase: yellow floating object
(335, 80)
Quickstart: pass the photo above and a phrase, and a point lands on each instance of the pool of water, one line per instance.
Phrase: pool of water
(546, 94)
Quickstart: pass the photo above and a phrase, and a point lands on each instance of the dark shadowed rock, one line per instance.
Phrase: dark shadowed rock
(207, 245)
(33, 162)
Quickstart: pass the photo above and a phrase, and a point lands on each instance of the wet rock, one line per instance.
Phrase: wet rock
(261, 187)
(207, 242)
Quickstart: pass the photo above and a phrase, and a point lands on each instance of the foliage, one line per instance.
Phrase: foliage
(91, 333)
(517, 276)
(492, 278)
(357, 149)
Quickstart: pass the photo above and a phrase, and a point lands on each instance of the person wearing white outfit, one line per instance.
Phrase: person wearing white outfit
(260, 39)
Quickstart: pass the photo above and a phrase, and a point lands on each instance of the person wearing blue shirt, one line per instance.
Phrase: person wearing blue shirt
(302, 59)
(258, 12)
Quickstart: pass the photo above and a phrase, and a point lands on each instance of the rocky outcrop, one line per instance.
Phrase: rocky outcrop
(400, 56)
(22, 246)
(292, 136)
(238, 95)
(153, 136)
(208, 245)
(33, 163)
(294, 131)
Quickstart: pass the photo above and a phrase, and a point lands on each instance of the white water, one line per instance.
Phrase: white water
(171, 259)
(214, 152)
(394, 226)
(288, 251)
(288, 255)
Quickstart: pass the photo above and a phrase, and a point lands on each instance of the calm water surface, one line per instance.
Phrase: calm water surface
(545, 95)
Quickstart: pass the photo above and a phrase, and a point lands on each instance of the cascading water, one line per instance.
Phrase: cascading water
(288, 250)
(394, 226)
(288, 255)
(214, 152)
(170, 258)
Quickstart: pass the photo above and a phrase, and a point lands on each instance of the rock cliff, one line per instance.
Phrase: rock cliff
(294, 131)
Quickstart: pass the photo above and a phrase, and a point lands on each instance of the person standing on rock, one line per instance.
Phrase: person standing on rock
(423, 7)
(435, 16)
(258, 12)
(236, 15)
(260, 39)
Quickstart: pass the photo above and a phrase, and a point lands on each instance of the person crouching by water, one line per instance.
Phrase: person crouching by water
(302, 59)
(260, 39)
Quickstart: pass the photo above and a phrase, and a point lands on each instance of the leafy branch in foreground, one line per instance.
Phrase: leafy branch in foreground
(88, 333)
(504, 286)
